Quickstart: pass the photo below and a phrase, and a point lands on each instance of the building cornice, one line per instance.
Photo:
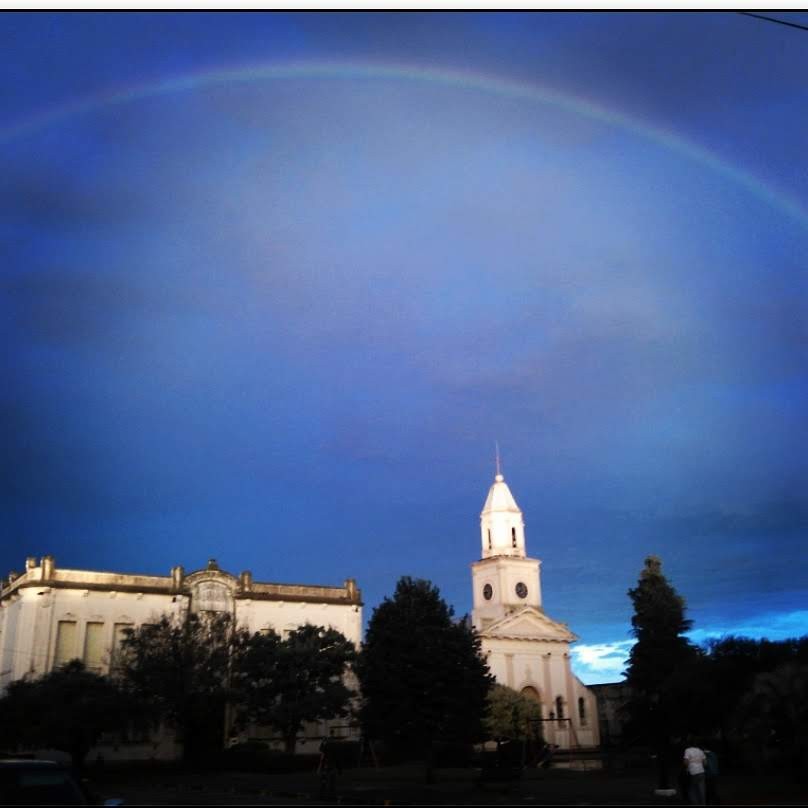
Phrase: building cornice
(523, 638)
(241, 588)
(490, 560)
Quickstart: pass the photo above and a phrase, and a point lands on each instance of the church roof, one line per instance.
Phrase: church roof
(528, 624)
(500, 498)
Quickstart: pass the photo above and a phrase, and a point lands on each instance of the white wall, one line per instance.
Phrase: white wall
(283, 616)
(545, 666)
(29, 621)
(30, 617)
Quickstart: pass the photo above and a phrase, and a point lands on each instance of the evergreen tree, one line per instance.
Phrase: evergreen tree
(421, 673)
(659, 624)
(660, 661)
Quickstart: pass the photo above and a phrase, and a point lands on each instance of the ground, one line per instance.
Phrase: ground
(401, 785)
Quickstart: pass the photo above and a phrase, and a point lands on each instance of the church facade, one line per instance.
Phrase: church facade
(526, 649)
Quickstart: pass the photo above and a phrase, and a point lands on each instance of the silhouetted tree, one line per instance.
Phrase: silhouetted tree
(773, 719)
(68, 709)
(199, 672)
(283, 683)
(732, 664)
(421, 673)
(659, 661)
(181, 669)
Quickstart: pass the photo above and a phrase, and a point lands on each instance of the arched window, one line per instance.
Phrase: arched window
(582, 711)
(513, 537)
(559, 707)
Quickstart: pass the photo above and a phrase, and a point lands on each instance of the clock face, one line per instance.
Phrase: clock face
(488, 592)
(521, 590)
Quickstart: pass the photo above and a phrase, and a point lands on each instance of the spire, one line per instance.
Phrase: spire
(501, 523)
(500, 499)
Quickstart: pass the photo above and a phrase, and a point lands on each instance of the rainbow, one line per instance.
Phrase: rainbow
(531, 93)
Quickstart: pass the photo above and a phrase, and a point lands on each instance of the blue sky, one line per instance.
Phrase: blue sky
(273, 285)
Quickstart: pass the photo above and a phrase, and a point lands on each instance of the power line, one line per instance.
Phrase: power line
(774, 19)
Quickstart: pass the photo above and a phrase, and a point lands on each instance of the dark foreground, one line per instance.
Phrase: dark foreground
(405, 785)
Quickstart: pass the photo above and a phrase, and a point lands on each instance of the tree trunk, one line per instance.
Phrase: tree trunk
(290, 741)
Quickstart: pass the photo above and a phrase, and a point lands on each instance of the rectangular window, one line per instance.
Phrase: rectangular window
(9, 644)
(94, 647)
(66, 638)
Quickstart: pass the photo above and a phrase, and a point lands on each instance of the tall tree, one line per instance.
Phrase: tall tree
(181, 668)
(421, 673)
(283, 684)
(658, 659)
(68, 709)
(659, 624)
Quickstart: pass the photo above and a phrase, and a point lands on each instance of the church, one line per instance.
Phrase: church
(526, 649)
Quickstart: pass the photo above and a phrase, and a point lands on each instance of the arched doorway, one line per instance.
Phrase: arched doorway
(531, 693)
(536, 739)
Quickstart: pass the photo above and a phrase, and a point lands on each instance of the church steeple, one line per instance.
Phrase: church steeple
(501, 525)
(504, 579)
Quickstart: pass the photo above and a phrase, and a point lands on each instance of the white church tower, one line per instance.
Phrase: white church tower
(504, 579)
(526, 650)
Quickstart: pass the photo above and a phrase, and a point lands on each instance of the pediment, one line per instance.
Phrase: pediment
(211, 575)
(529, 624)
(211, 590)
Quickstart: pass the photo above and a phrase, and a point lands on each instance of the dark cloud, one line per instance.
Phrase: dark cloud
(307, 308)
(58, 200)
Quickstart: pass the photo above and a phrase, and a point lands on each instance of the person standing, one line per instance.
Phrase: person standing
(328, 767)
(711, 778)
(694, 760)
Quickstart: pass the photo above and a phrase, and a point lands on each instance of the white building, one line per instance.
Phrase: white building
(526, 649)
(49, 615)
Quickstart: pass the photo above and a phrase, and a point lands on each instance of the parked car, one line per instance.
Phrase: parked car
(43, 782)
